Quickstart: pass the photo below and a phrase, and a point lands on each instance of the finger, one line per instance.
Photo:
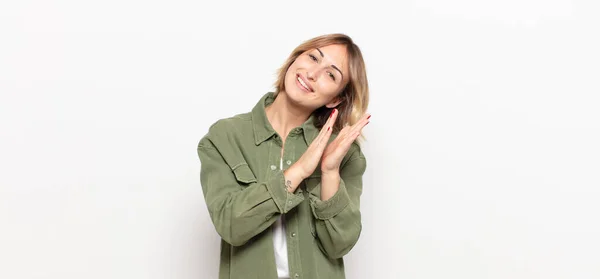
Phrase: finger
(348, 140)
(332, 117)
(344, 131)
(357, 127)
(344, 145)
(360, 123)
(325, 138)
(365, 119)
(328, 124)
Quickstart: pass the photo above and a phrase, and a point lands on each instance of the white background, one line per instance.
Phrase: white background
(483, 155)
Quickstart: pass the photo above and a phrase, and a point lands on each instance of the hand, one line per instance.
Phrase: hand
(309, 161)
(337, 149)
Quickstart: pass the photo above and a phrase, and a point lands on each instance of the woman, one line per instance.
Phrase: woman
(283, 182)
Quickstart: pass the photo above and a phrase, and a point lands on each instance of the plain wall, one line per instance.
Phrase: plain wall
(482, 152)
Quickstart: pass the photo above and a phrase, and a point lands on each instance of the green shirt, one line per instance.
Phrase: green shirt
(245, 193)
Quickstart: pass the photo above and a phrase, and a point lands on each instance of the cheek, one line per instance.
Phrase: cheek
(290, 76)
(328, 87)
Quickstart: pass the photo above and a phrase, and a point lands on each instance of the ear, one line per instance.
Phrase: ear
(336, 101)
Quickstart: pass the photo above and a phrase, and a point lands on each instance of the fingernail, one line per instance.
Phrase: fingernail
(328, 128)
(331, 113)
(367, 123)
(369, 117)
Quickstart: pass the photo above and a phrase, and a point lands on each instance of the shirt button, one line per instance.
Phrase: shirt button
(289, 202)
(273, 167)
(297, 275)
(288, 162)
(293, 234)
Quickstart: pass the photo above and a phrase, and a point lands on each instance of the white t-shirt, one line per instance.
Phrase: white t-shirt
(280, 244)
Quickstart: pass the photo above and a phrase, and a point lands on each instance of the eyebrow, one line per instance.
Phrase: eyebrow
(333, 66)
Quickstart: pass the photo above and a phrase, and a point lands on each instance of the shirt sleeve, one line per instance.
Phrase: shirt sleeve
(240, 207)
(338, 219)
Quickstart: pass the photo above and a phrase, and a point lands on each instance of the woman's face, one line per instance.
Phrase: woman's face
(317, 76)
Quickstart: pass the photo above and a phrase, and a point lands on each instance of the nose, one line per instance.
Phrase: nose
(313, 73)
(310, 75)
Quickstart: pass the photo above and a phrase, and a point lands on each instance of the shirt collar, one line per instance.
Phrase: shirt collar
(263, 129)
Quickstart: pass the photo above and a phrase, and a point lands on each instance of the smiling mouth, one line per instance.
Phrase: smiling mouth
(302, 84)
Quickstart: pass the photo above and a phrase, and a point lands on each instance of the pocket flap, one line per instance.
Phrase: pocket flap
(244, 174)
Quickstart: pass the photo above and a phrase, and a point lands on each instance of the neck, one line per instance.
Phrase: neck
(284, 116)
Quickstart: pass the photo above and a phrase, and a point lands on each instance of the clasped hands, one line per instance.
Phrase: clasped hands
(319, 151)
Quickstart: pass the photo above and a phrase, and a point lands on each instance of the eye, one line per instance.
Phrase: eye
(313, 57)
(331, 75)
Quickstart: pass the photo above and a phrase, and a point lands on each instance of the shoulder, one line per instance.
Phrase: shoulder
(355, 162)
(232, 123)
(225, 129)
(355, 152)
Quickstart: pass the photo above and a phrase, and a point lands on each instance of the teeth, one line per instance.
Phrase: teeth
(303, 84)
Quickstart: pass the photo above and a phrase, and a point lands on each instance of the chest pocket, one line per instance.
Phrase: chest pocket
(243, 173)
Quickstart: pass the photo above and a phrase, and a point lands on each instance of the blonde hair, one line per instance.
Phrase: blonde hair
(355, 96)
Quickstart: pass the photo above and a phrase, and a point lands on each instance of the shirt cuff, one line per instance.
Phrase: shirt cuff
(284, 200)
(333, 206)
